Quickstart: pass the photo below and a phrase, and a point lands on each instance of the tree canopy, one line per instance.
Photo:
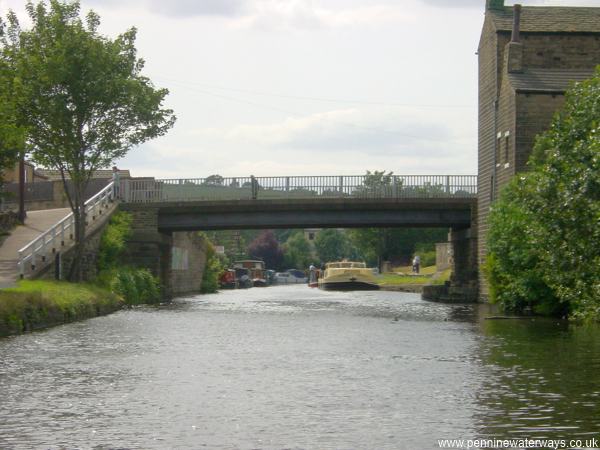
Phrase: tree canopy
(544, 240)
(11, 134)
(80, 96)
(297, 252)
(333, 245)
(266, 247)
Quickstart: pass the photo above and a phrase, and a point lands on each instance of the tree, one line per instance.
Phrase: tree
(385, 244)
(377, 184)
(213, 180)
(297, 254)
(333, 245)
(266, 247)
(11, 134)
(514, 253)
(550, 215)
(81, 96)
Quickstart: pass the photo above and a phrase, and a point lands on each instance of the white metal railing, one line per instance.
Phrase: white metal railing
(56, 237)
(150, 190)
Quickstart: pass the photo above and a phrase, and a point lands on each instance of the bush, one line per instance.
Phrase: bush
(427, 258)
(136, 286)
(544, 236)
(112, 242)
(212, 269)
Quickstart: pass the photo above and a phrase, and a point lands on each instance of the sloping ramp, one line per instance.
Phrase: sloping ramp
(37, 222)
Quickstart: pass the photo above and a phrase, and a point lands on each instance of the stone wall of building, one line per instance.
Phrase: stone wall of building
(535, 113)
(560, 50)
(491, 59)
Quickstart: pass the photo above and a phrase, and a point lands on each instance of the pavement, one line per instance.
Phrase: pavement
(37, 222)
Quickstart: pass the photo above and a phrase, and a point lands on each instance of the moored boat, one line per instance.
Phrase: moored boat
(257, 271)
(348, 276)
(228, 279)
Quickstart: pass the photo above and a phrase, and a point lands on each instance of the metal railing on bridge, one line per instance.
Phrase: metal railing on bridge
(61, 234)
(216, 188)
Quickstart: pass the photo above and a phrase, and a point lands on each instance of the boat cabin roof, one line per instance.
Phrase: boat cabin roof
(249, 264)
(346, 265)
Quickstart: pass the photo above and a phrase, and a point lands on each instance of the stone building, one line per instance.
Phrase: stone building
(528, 57)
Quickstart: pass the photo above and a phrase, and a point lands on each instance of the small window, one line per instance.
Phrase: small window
(311, 236)
(498, 149)
(506, 146)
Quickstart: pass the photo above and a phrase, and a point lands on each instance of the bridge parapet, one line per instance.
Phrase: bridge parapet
(150, 190)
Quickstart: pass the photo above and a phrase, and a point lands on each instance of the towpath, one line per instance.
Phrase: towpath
(36, 223)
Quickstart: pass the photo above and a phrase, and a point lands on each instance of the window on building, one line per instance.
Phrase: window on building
(311, 236)
(498, 148)
(506, 146)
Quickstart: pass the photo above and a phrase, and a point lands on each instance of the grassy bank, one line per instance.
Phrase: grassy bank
(427, 276)
(34, 305)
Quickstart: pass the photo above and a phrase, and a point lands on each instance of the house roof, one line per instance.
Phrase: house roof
(549, 19)
(547, 80)
(98, 174)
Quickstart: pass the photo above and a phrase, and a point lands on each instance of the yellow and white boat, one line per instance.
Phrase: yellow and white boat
(348, 276)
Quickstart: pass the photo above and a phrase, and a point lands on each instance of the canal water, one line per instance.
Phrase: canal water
(297, 368)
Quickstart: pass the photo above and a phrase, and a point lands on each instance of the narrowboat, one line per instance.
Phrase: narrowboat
(348, 276)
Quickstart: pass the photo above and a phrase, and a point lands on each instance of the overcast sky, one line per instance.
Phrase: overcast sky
(298, 87)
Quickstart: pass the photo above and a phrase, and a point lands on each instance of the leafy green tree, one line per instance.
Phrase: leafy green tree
(212, 269)
(513, 267)
(377, 184)
(394, 244)
(214, 180)
(554, 211)
(81, 96)
(297, 252)
(333, 245)
(11, 134)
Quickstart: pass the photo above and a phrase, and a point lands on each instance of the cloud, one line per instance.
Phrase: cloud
(480, 4)
(346, 131)
(307, 14)
(268, 14)
(195, 8)
(182, 8)
(346, 141)
(456, 3)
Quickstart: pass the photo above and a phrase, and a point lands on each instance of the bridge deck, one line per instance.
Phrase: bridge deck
(308, 213)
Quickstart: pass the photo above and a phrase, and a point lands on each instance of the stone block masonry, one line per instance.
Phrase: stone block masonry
(176, 258)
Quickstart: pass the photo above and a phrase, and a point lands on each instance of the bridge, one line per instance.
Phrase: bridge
(305, 202)
(166, 211)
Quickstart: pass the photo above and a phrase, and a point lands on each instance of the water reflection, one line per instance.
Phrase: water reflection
(543, 380)
(293, 367)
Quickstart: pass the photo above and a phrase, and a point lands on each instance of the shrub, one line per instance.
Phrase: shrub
(112, 242)
(212, 269)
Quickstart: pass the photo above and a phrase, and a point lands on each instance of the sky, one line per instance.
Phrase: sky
(307, 87)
